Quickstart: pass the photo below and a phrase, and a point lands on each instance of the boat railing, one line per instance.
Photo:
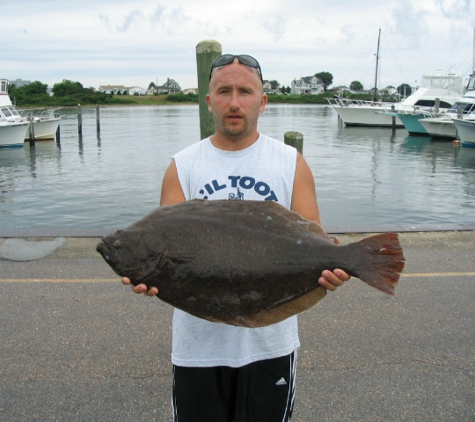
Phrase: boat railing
(40, 113)
(347, 102)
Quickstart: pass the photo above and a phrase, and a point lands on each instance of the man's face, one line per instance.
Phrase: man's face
(236, 100)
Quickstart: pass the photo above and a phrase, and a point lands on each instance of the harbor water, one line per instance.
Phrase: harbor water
(367, 179)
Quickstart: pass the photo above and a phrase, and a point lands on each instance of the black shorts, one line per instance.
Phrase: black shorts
(262, 391)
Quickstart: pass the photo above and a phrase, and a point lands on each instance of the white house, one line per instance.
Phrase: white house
(307, 85)
(136, 90)
(112, 89)
(268, 89)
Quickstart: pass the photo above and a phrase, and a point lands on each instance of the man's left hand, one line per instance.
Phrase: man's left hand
(333, 279)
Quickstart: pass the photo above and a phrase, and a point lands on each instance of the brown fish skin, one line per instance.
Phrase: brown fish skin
(246, 263)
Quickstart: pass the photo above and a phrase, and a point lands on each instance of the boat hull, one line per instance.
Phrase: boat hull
(440, 128)
(412, 124)
(466, 132)
(367, 116)
(12, 134)
(44, 129)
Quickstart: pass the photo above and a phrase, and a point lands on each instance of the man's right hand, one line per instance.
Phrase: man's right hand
(140, 288)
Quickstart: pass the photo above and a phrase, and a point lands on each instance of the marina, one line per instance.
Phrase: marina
(367, 179)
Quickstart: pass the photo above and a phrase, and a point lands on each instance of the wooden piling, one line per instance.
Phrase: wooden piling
(31, 129)
(206, 52)
(294, 139)
(58, 135)
(79, 120)
(98, 120)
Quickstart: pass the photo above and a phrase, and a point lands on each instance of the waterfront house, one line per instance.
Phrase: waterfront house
(113, 89)
(136, 90)
(169, 87)
(271, 87)
(307, 85)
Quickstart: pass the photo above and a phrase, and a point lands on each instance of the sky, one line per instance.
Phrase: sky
(134, 43)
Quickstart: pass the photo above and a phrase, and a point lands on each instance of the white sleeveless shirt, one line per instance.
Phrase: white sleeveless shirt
(263, 171)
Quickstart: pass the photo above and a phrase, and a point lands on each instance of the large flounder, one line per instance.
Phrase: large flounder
(245, 263)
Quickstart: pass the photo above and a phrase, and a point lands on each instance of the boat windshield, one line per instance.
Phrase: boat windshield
(464, 108)
(471, 83)
(431, 103)
(6, 112)
(10, 113)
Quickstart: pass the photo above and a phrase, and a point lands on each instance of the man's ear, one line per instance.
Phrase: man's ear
(208, 102)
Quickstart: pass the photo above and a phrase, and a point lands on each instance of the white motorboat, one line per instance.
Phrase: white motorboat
(466, 131)
(440, 127)
(443, 126)
(12, 127)
(45, 123)
(441, 89)
(439, 123)
(39, 124)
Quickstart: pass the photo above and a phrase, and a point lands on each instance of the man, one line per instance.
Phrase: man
(224, 373)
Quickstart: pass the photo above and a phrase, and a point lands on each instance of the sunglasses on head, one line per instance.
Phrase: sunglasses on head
(244, 59)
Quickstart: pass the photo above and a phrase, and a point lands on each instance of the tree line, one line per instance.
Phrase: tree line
(70, 93)
(66, 93)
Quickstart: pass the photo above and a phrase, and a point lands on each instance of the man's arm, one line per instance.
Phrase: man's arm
(304, 201)
(172, 193)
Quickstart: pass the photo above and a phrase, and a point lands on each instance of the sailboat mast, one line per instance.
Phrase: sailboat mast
(473, 53)
(376, 73)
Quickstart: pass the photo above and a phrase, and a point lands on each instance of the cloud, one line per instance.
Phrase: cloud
(276, 25)
(131, 20)
(408, 23)
(168, 19)
(454, 9)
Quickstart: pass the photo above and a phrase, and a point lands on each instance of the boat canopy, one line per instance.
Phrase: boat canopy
(449, 82)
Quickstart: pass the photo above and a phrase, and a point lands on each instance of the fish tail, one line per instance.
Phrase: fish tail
(381, 260)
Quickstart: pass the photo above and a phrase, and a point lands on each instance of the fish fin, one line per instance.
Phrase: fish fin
(296, 218)
(314, 227)
(178, 257)
(283, 311)
(381, 260)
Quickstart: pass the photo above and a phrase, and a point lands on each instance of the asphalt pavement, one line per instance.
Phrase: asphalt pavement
(76, 345)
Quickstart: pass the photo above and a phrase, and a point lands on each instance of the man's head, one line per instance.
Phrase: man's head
(236, 99)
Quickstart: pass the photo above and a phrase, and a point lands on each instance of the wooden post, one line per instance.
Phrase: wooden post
(31, 129)
(98, 121)
(58, 135)
(206, 52)
(294, 139)
(393, 118)
(79, 120)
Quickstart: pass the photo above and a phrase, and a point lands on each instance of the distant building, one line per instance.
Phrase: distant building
(122, 89)
(308, 85)
(271, 88)
(113, 89)
(136, 90)
(169, 87)
(19, 83)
